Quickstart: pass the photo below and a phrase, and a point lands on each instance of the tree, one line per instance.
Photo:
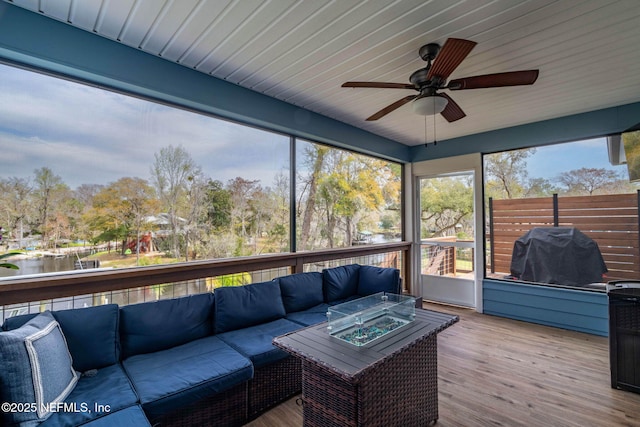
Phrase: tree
(217, 201)
(344, 193)
(15, 204)
(278, 220)
(195, 196)
(170, 171)
(349, 188)
(241, 191)
(631, 141)
(314, 156)
(587, 180)
(83, 195)
(446, 203)
(48, 191)
(119, 209)
(540, 187)
(506, 173)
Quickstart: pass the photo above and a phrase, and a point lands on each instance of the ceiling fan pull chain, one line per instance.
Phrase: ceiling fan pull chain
(435, 141)
(426, 143)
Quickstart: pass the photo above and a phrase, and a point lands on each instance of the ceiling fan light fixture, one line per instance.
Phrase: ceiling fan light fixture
(429, 105)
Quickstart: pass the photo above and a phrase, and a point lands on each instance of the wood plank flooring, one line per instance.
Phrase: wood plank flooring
(500, 372)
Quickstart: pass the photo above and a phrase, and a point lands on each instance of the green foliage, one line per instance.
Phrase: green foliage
(236, 279)
(387, 222)
(218, 205)
(8, 264)
(446, 203)
(631, 141)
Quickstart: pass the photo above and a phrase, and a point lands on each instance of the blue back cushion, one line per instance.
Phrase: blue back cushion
(301, 291)
(340, 282)
(92, 334)
(378, 279)
(154, 326)
(241, 306)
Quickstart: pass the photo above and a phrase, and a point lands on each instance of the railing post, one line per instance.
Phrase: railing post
(298, 267)
(556, 213)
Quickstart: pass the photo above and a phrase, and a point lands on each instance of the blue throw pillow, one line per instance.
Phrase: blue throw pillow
(36, 369)
(92, 334)
(340, 282)
(241, 306)
(301, 291)
(378, 279)
(159, 325)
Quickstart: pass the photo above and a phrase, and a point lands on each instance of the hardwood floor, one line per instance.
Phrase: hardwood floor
(500, 372)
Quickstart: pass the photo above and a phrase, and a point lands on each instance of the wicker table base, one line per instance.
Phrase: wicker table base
(403, 392)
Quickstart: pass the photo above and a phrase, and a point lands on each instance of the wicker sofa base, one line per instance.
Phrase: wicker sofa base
(270, 385)
(273, 384)
(402, 391)
(228, 408)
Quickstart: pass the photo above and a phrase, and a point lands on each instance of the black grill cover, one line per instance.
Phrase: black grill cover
(557, 255)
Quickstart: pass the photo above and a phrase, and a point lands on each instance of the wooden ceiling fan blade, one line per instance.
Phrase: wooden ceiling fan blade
(389, 108)
(451, 55)
(512, 78)
(379, 85)
(452, 111)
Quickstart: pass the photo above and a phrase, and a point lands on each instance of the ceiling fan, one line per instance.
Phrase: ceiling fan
(432, 78)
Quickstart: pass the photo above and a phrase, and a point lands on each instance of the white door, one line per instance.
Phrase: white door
(446, 217)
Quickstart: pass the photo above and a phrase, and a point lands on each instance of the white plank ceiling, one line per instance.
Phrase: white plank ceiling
(301, 51)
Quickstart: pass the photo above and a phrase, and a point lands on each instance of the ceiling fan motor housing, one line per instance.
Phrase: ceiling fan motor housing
(429, 51)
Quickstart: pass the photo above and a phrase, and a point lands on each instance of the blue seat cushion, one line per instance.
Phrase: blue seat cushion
(378, 279)
(133, 416)
(340, 282)
(92, 334)
(159, 325)
(36, 368)
(310, 316)
(301, 291)
(241, 306)
(255, 342)
(102, 392)
(169, 379)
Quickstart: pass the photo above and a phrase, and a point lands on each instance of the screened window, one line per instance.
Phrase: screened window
(129, 182)
(565, 214)
(345, 199)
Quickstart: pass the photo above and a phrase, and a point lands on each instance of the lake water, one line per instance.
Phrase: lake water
(46, 264)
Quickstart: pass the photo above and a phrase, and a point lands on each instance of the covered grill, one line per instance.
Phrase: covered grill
(557, 255)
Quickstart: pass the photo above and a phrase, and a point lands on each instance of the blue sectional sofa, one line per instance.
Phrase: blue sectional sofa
(204, 359)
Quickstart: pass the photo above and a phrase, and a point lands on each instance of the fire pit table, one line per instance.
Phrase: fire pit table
(392, 380)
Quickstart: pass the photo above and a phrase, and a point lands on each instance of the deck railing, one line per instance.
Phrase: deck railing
(74, 289)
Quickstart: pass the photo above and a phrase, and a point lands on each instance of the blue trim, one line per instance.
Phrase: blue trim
(563, 129)
(576, 310)
(37, 41)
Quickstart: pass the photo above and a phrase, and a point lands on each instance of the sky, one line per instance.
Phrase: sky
(92, 136)
(549, 161)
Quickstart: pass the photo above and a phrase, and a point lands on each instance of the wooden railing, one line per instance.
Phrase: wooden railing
(610, 220)
(46, 287)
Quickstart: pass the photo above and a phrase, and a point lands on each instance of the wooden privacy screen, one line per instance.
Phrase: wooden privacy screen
(610, 220)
